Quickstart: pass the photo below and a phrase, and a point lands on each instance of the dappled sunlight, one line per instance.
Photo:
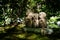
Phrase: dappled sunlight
(29, 19)
(2, 30)
(21, 25)
(21, 36)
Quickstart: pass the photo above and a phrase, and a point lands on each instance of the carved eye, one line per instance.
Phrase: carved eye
(32, 18)
(26, 15)
(39, 18)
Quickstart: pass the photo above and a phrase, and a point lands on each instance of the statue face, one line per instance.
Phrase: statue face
(42, 19)
(28, 20)
(35, 21)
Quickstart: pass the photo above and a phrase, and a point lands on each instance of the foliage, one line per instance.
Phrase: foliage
(17, 8)
(10, 10)
(52, 22)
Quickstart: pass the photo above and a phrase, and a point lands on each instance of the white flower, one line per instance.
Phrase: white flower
(58, 23)
(8, 20)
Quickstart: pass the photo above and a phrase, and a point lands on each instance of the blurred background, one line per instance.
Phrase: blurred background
(12, 16)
